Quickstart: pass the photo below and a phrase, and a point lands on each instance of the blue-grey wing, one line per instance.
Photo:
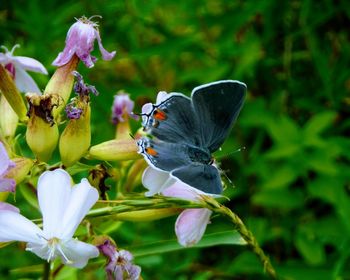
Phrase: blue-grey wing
(217, 106)
(163, 155)
(200, 176)
(173, 120)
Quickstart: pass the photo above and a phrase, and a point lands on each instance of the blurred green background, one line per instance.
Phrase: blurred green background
(292, 182)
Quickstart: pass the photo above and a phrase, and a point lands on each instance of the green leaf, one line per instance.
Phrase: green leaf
(208, 240)
(282, 151)
(79, 167)
(284, 130)
(280, 178)
(279, 198)
(311, 249)
(319, 123)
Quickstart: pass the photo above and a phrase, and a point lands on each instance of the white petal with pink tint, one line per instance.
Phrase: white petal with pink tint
(29, 64)
(25, 82)
(156, 181)
(8, 207)
(190, 226)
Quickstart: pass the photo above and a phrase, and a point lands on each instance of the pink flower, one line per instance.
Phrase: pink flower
(18, 65)
(191, 223)
(80, 41)
(6, 184)
(122, 107)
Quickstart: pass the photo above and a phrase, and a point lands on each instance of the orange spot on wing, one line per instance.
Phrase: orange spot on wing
(151, 151)
(159, 115)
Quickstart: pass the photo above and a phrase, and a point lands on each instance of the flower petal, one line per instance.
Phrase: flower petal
(190, 226)
(8, 207)
(15, 227)
(78, 253)
(4, 59)
(29, 64)
(83, 197)
(54, 192)
(7, 185)
(25, 82)
(182, 190)
(156, 180)
(5, 162)
(105, 54)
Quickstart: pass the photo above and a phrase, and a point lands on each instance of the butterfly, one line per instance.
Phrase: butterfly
(184, 132)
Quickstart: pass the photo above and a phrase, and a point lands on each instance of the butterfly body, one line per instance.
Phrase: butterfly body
(186, 131)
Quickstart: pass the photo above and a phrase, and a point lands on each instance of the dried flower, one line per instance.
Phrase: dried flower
(119, 266)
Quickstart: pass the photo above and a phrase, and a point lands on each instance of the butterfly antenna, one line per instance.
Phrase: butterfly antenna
(231, 153)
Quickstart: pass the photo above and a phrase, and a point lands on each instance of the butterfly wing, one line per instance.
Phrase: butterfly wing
(163, 155)
(200, 176)
(217, 106)
(173, 120)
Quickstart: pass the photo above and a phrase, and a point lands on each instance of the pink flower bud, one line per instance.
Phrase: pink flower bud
(122, 108)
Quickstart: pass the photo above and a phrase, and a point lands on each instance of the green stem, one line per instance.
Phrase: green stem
(247, 236)
(46, 271)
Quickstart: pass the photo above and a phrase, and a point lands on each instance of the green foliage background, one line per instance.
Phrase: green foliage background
(292, 180)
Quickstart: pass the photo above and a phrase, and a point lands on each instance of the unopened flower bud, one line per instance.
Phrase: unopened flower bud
(20, 170)
(115, 150)
(76, 137)
(8, 119)
(11, 93)
(42, 131)
(122, 108)
(61, 84)
(121, 112)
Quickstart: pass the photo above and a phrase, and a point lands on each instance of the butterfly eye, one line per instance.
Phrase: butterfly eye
(159, 115)
(150, 151)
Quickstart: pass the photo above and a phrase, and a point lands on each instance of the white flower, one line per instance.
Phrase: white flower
(63, 207)
(18, 65)
(191, 223)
